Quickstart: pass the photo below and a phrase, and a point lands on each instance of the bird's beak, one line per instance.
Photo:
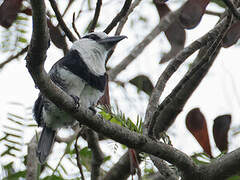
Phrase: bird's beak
(111, 41)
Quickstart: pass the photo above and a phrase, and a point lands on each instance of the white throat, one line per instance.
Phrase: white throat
(92, 54)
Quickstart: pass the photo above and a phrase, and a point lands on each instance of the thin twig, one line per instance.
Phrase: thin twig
(119, 16)
(138, 49)
(13, 57)
(96, 16)
(122, 23)
(74, 27)
(78, 157)
(59, 162)
(232, 8)
(68, 139)
(67, 8)
(61, 22)
(125, 18)
(213, 13)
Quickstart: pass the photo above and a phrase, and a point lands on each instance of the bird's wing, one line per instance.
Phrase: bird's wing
(37, 110)
(76, 65)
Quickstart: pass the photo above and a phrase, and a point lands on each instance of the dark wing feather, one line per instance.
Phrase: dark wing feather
(75, 64)
(37, 110)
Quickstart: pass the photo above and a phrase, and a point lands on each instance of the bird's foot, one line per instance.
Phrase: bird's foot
(93, 109)
(76, 101)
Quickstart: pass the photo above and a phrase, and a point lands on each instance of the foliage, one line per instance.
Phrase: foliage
(14, 39)
(118, 117)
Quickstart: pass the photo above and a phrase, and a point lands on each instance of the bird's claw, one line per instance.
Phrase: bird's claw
(76, 101)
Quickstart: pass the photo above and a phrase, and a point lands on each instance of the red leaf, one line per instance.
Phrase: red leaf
(196, 124)
(191, 13)
(232, 35)
(27, 11)
(105, 99)
(220, 131)
(134, 164)
(175, 33)
(8, 12)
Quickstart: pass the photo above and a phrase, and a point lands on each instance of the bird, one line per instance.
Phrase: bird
(81, 73)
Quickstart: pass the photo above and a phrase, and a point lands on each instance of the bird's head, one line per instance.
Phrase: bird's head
(102, 39)
(97, 41)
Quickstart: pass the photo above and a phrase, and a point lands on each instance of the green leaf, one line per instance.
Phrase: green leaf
(234, 178)
(16, 176)
(143, 83)
(16, 116)
(63, 168)
(22, 39)
(21, 18)
(11, 128)
(106, 158)
(219, 3)
(53, 177)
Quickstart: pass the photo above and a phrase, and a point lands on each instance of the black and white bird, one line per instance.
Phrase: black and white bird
(81, 73)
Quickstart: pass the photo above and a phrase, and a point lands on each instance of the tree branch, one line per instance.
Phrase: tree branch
(225, 166)
(162, 26)
(74, 27)
(172, 68)
(97, 154)
(213, 13)
(96, 16)
(163, 168)
(35, 61)
(78, 158)
(13, 57)
(61, 22)
(232, 8)
(122, 23)
(119, 16)
(70, 138)
(173, 104)
(32, 161)
(120, 170)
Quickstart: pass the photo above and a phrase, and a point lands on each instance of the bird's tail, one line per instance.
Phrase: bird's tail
(45, 144)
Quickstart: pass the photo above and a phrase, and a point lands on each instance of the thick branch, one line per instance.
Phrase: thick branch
(162, 26)
(119, 16)
(61, 22)
(97, 154)
(173, 104)
(32, 161)
(174, 65)
(225, 166)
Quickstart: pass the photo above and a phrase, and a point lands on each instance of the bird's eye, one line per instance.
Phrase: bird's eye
(92, 36)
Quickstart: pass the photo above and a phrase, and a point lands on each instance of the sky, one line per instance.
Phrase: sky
(217, 94)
